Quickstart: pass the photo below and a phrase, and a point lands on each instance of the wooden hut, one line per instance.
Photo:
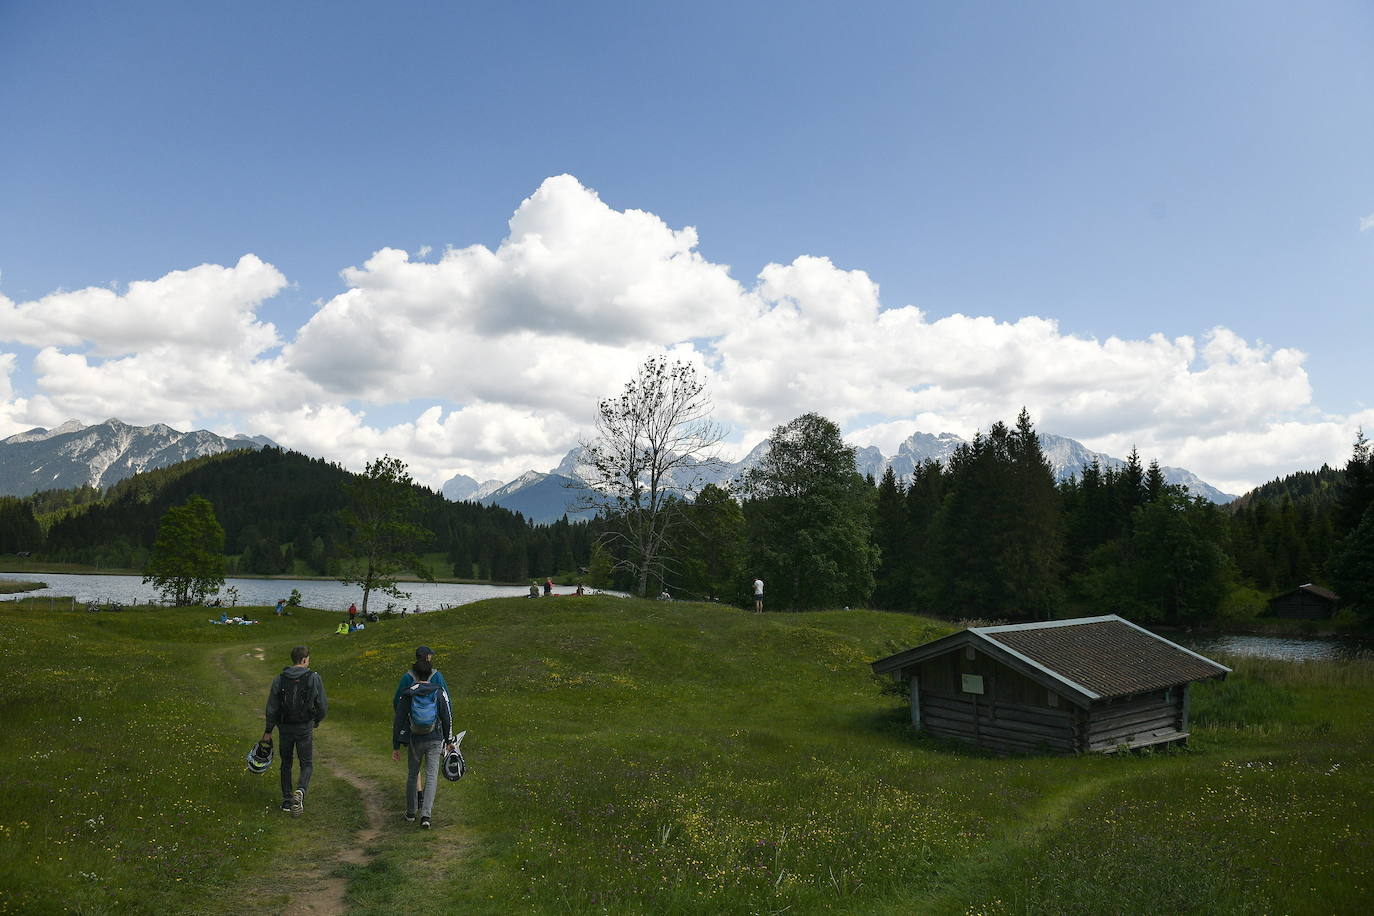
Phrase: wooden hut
(1309, 602)
(1067, 686)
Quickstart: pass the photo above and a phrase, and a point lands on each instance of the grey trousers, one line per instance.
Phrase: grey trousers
(296, 740)
(431, 754)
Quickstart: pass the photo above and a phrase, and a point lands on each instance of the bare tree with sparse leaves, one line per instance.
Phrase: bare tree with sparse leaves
(652, 450)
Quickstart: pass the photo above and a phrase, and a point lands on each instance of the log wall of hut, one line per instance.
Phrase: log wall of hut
(1302, 606)
(1137, 721)
(1013, 713)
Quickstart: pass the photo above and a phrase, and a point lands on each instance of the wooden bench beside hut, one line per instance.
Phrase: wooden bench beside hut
(1067, 686)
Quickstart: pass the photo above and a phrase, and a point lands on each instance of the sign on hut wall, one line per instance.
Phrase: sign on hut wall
(973, 683)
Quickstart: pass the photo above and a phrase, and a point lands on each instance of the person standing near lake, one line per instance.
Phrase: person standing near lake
(758, 596)
(548, 587)
(424, 723)
(296, 705)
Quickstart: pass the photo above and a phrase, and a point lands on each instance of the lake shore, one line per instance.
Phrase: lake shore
(18, 586)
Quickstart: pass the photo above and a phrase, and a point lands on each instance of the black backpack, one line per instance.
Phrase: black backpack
(296, 706)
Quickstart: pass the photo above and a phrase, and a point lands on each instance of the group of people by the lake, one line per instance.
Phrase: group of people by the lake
(548, 589)
(422, 722)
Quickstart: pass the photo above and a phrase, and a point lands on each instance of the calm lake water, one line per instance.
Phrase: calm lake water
(1288, 648)
(327, 595)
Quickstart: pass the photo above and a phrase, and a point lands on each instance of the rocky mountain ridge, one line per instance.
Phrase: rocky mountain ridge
(99, 455)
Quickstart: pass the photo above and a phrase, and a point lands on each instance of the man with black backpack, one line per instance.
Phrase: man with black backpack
(424, 722)
(295, 706)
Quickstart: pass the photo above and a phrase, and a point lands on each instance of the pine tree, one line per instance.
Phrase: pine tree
(1154, 482)
(891, 536)
(1356, 492)
(1352, 567)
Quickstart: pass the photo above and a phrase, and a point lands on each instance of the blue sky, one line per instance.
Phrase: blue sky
(1117, 171)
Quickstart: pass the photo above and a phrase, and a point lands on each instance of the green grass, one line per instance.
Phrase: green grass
(653, 757)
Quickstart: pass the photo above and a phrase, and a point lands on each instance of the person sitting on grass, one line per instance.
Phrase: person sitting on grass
(424, 723)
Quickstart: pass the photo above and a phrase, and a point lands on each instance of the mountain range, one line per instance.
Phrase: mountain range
(102, 454)
(546, 497)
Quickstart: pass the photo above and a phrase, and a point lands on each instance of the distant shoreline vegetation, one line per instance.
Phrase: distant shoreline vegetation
(16, 586)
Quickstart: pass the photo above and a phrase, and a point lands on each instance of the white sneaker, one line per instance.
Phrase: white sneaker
(298, 803)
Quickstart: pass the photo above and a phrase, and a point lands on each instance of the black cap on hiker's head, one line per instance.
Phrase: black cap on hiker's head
(423, 652)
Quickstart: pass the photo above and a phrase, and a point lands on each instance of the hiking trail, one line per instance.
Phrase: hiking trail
(315, 890)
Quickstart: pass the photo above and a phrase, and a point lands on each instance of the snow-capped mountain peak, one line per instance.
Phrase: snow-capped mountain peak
(74, 455)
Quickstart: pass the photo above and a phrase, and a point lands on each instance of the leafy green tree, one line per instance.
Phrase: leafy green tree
(382, 540)
(712, 548)
(187, 562)
(810, 518)
(1182, 571)
(599, 572)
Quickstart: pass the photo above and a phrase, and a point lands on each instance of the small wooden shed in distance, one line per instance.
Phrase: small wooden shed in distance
(1311, 602)
(1069, 686)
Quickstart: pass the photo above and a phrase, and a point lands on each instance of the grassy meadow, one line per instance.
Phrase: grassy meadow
(647, 757)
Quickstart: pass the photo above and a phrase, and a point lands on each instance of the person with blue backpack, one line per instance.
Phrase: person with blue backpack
(424, 723)
(422, 654)
(296, 705)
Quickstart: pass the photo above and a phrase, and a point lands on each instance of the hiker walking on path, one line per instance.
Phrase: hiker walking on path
(758, 595)
(408, 679)
(296, 705)
(424, 723)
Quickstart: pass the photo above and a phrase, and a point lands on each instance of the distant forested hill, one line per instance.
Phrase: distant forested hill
(280, 511)
(1282, 532)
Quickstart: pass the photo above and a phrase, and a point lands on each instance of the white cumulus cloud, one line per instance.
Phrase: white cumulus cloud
(490, 361)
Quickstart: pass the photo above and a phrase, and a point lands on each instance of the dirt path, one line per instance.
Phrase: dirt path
(314, 890)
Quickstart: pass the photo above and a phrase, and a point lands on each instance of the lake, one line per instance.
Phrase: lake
(1287, 648)
(325, 594)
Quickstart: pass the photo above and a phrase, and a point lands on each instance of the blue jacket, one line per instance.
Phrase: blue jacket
(400, 724)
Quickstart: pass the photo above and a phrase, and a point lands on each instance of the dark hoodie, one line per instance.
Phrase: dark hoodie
(318, 704)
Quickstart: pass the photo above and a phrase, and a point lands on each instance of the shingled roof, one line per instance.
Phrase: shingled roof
(1311, 589)
(1095, 657)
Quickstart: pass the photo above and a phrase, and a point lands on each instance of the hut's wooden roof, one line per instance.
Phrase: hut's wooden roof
(1324, 593)
(1091, 658)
